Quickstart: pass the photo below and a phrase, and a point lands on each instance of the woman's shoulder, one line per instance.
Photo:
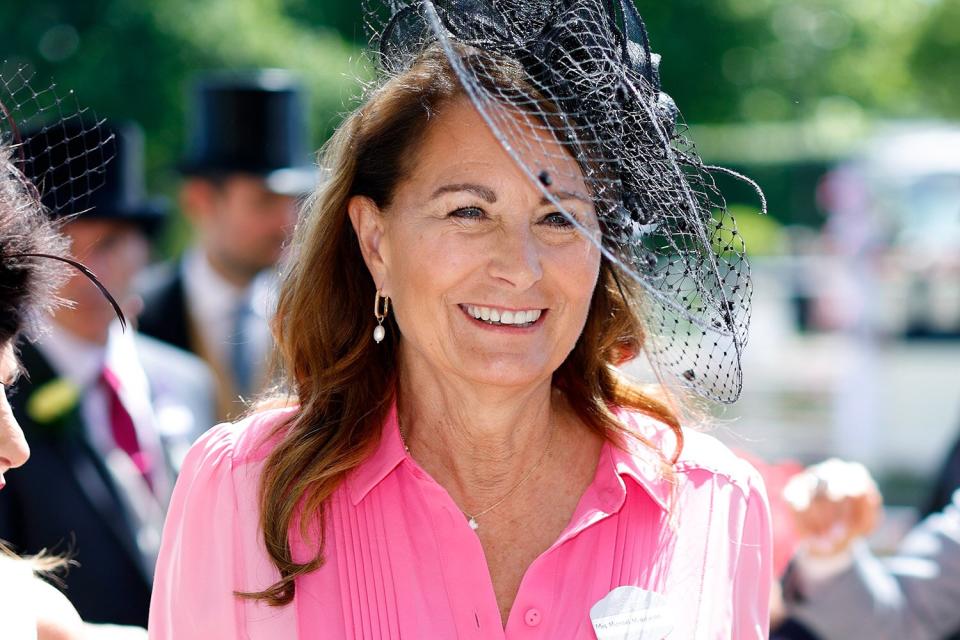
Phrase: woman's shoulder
(700, 452)
(704, 452)
(248, 440)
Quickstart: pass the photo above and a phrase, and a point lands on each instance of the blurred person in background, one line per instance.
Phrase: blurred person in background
(108, 414)
(246, 165)
(836, 589)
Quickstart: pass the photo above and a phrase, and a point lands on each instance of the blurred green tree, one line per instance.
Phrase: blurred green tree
(935, 63)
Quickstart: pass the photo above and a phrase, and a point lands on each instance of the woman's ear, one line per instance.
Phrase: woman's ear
(367, 223)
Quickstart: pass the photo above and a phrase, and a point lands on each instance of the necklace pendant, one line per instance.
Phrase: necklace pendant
(473, 524)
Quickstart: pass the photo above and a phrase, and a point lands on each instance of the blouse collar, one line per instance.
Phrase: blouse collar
(633, 459)
(640, 461)
(389, 453)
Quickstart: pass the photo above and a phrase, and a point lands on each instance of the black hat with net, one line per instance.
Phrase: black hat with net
(589, 79)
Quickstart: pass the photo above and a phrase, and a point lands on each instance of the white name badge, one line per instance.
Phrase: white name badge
(632, 613)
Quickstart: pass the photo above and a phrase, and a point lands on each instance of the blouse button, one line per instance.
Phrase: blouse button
(532, 617)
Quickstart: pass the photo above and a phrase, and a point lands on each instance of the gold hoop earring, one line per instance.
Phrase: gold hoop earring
(379, 332)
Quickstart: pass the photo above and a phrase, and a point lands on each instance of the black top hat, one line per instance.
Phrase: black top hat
(251, 122)
(56, 155)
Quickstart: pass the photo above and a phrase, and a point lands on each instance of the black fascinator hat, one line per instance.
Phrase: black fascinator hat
(34, 256)
(588, 76)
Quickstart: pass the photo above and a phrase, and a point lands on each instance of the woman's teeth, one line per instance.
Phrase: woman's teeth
(495, 316)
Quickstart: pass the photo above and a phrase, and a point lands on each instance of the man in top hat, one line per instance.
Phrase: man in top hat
(108, 414)
(246, 165)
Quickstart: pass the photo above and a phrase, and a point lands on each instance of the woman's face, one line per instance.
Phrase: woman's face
(488, 281)
(13, 447)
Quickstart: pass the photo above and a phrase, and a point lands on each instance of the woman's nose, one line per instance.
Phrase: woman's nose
(516, 259)
(13, 446)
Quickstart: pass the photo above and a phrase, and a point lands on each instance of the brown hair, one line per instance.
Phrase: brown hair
(342, 380)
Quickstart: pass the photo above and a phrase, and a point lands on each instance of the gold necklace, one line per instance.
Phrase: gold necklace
(472, 519)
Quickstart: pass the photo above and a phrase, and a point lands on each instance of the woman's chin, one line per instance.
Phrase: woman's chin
(506, 373)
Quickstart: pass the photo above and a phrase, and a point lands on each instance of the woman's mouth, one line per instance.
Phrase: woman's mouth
(498, 317)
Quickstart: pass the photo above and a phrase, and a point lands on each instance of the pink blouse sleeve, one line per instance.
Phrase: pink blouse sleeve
(197, 568)
(754, 574)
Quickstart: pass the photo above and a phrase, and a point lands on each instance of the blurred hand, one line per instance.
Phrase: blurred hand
(834, 503)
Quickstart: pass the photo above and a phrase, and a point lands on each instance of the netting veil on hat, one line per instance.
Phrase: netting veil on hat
(589, 80)
(74, 162)
(65, 159)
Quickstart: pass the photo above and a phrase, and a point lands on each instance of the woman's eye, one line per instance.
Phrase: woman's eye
(557, 219)
(467, 213)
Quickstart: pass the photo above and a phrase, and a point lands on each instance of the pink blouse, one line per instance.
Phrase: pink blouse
(681, 557)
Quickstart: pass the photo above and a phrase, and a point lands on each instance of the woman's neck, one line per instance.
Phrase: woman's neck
(477, 441)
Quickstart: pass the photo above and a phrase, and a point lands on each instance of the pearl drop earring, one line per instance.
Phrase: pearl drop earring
(379, 333)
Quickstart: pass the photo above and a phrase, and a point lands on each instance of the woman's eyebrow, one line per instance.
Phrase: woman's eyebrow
(478, 190)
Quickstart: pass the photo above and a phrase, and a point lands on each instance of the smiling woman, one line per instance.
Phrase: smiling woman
(478, 467)
(467, 230)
